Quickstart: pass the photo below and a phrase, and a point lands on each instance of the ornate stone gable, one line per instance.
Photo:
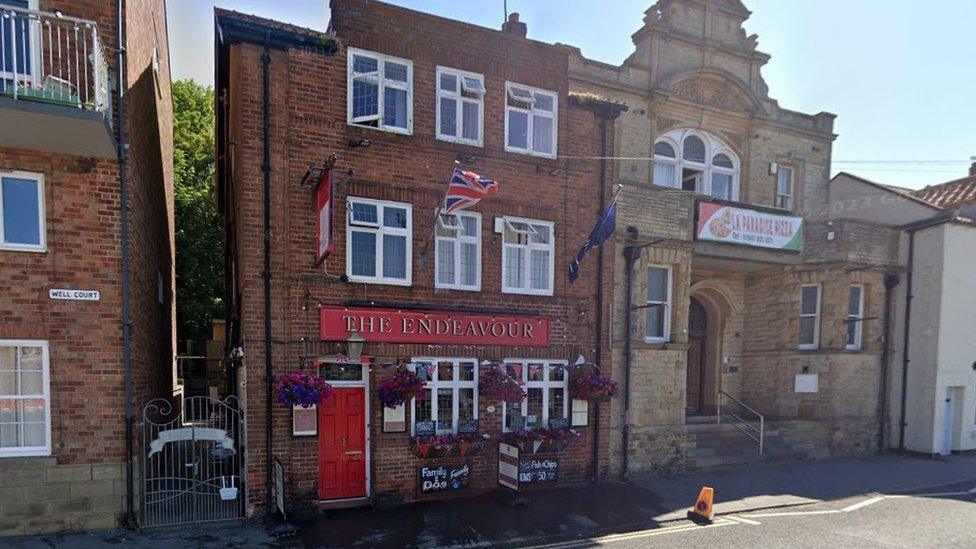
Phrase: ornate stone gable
(712, 93)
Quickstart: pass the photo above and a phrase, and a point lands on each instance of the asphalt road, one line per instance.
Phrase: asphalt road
(943, 519)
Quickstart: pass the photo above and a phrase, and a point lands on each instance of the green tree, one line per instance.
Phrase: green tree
(199, 232)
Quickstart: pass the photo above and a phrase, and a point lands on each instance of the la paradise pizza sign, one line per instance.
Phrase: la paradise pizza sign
(720, 223)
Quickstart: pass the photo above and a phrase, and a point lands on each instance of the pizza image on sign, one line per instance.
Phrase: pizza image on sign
(721, 223)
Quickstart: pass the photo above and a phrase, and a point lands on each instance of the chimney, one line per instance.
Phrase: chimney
(514, 26)
(972, 167)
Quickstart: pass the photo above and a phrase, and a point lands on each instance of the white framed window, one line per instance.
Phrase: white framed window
(855, 316)
(450, 394)
(784, 188)
(528, 247)
(460, 106)
(304, 421)
(379, 91)
(458, 251)
(22, 224)
(810, 316)
(25, 402)
(547, 392)
(657, 316)
(531, 120)
(696, 161)
(379, 242)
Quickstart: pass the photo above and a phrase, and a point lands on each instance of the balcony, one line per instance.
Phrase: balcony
(54, 88)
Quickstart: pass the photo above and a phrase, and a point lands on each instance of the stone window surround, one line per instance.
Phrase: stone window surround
(666, 338)
(714, 146)
(815, 344)
(857, 318)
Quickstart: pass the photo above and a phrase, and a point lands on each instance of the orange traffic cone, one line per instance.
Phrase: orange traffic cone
(703, 510)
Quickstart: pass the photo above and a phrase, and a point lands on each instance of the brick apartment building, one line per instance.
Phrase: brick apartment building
(63, 443)
(453, 94)
(737, 292)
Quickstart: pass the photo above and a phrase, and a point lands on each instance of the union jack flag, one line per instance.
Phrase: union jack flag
(466, 190)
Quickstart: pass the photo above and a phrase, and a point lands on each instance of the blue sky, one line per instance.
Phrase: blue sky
(898, 73)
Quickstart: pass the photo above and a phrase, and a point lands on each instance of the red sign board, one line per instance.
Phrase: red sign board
(323, 207)
(391, 326)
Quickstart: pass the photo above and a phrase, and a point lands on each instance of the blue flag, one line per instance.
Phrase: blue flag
(601, 233)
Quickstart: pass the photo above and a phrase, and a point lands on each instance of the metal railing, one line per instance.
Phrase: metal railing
(52, 58)
(755, 430)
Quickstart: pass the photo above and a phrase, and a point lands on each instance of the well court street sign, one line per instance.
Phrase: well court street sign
(74, 295)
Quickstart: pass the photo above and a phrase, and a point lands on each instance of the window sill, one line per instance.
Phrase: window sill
(527, 152)
(460, 141)
(458, 288)
(385, 129)
(28, 249)
(516, 291)
(32, 454)
(379, 281)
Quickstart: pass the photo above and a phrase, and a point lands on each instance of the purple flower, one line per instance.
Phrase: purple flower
(403, 386)
(302, 389)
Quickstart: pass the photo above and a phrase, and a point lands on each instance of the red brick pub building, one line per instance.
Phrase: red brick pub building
(401, 98)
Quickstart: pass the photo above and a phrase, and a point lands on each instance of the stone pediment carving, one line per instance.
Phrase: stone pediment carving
(712, 93)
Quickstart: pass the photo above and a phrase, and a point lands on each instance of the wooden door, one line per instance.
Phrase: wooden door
(342, 445)
(696, 363)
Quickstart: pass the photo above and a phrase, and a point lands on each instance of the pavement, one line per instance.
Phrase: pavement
(649, 507)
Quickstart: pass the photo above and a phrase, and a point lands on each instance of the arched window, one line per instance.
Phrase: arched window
(696, 161)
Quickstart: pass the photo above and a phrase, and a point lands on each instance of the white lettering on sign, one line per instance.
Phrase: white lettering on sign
(74, 295)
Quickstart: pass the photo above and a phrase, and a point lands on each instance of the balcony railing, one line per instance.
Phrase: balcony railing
(52, 58)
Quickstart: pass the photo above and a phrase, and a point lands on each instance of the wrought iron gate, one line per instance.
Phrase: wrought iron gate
(192, 462)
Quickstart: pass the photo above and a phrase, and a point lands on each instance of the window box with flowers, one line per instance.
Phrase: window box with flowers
(542, 441)
(447, 446)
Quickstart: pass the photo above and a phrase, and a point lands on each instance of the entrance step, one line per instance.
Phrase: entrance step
(716, 446)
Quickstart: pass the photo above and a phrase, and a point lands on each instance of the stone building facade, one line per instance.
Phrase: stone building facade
(397, 167)
(62, 392)
(744, 293)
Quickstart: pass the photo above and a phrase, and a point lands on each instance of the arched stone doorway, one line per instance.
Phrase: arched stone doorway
(709, 312)
(697, 358)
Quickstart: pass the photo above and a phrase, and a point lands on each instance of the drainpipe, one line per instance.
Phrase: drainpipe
(599, 299)
(631, 254)
(905, 343)
(126, 312)
(890, 282)
(266, 168)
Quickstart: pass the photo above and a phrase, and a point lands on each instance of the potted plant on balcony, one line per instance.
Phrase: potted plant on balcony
(302, 389)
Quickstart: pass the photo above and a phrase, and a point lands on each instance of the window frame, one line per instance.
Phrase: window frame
(545, 385)
(379, 230)
(382, 84)
(458, 239)
(41, 247)
(714, 146)
(857, 319)
(666, 337)
(816, 316)
(459, 99)
(531, 112)
(551, 248)
(455, 387)
(32, 451)
(792, 186)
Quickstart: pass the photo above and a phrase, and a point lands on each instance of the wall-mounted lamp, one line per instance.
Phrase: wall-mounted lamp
(364, 143)
(354, 347)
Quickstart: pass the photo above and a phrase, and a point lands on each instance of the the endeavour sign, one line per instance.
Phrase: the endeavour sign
(721, 223)
(387, 325)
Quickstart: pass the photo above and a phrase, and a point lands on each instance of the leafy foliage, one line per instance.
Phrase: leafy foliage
(199, 231)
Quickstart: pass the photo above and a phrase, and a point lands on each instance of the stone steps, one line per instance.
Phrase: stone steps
(717, 446)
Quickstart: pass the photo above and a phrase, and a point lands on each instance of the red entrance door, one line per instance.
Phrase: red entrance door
(342, 445)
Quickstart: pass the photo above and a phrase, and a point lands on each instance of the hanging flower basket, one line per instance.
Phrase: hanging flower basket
(302, 389)
(541, 441)
(497, 385)
(442, 446)
(403, 386)
(592, 386)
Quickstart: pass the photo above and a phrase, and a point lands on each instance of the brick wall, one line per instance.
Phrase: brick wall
(308, 116)
(81, 486)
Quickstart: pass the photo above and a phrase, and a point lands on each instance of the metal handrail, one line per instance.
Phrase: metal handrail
(758, 434)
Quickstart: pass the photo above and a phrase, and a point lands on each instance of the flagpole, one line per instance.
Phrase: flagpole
(437, 215)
